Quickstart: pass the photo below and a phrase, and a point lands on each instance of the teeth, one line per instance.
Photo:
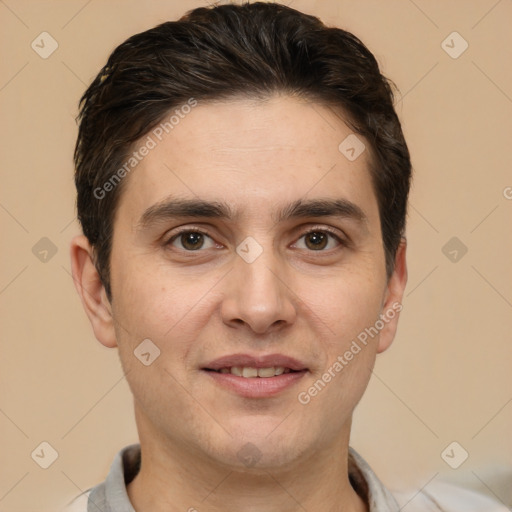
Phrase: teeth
(249, 372)
(236, 370)
(266, 372)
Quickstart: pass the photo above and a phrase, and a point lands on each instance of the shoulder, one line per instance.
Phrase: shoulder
(78, 504)
(442, 496)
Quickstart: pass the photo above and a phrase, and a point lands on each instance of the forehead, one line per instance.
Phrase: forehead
(251, 154)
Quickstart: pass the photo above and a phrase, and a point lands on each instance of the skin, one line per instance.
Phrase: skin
(199, 305)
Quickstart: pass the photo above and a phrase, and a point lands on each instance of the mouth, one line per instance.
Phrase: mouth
(249, 372)
(255, 376)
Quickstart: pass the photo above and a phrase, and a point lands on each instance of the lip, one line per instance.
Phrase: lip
(256, 387)
(256, 361)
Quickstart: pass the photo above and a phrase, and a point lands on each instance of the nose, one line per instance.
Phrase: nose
(258, 295)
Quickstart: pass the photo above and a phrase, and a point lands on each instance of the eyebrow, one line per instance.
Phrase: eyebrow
(173, 208)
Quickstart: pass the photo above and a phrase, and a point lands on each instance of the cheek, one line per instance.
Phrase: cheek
(346, 303)
(152, 303)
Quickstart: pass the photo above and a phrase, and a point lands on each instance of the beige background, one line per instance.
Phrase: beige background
(448, 375)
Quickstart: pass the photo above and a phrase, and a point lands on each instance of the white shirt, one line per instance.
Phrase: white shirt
(112, 496)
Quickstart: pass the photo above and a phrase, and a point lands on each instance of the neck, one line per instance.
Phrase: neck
(173, 477)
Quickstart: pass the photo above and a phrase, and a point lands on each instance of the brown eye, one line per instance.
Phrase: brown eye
(316, 240)
(319, 240)
(191, 241)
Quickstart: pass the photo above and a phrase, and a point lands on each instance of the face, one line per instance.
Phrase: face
(245, 242)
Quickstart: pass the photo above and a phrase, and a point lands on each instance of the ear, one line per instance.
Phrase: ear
(392, 304)
(92, 292)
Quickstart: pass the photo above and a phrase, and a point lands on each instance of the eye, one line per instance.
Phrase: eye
(319, 240)
(191, 240)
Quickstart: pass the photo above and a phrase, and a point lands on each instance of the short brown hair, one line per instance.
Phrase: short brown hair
(219, 52)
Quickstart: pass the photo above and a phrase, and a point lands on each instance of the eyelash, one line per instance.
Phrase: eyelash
(316, 229)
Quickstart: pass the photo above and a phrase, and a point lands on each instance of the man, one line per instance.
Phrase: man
(242, 185)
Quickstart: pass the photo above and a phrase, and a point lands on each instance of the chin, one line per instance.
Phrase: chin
(263, 443)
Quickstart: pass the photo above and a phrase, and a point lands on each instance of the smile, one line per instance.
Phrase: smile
(249, 372)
